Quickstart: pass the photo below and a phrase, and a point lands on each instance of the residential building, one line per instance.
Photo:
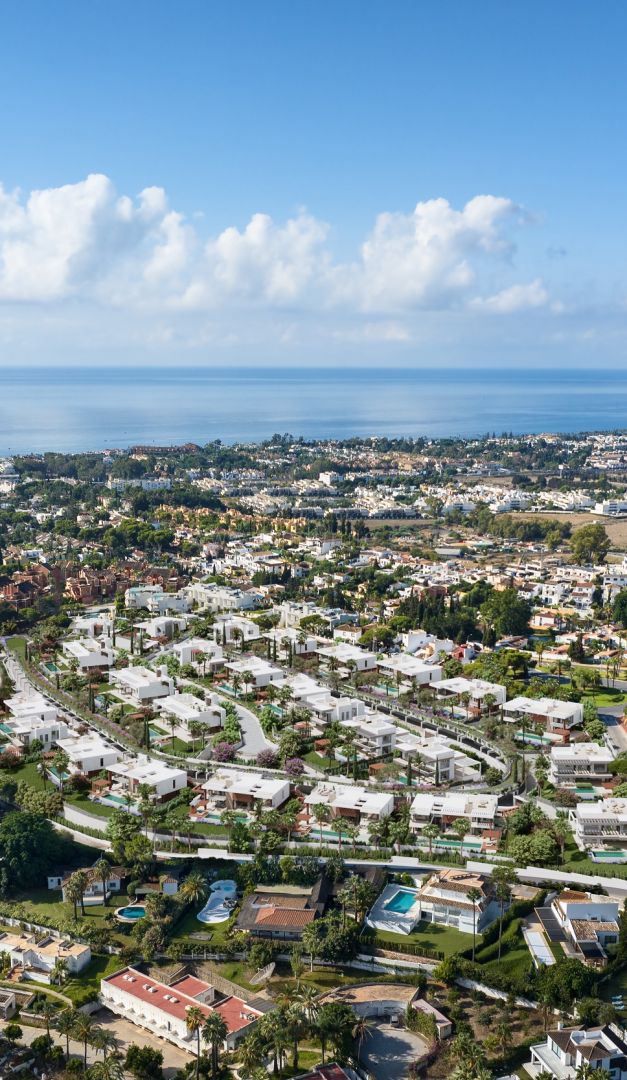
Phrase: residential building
(162, 1008)
(34, 957)
(567, 1053)
(186, 709)
(601, 823)
(281, 912)
(88, 754)
(254, 672)
(357, 804)
(408, 670)
(232, 789)
(347, 656)
(580, 762)
(163, 781)
(444, 900)
(476, 689)
(141, 684)
(90, 653)
(589, 923)
(203, 654)
(479, 809)
(556, 717)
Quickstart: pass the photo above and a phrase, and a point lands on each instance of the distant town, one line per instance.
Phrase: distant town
(313, 760)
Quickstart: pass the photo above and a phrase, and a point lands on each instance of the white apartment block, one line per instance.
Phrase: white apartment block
(90, 653)
(479, 809)
(163, 780)
(88, 754)
(186, 709)
(599, 824)
(141, 684)
(162, 1008)
(579, 762)
(95, 626)
(356, 804)
(34, 956)
(230, 789)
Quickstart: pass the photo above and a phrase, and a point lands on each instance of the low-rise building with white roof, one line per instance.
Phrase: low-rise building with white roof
(577, 762)
(163, 780)
(480, 810)
(477, 689)
(90, 653)
(233, 789)
(556, 717)
(600, 825)
(187, 709)
(255, 672)
(348, 656)
(358, 804)
(33, 956)
(88, 754)
(201, 653)
(408, 669)
(141, 684)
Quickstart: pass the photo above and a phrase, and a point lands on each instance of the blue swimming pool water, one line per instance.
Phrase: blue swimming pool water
(133, 912)
(401, 902)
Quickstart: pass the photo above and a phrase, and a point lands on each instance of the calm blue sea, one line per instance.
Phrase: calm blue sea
(80, 409)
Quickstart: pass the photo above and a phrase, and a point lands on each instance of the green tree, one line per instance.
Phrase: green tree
(590, 544)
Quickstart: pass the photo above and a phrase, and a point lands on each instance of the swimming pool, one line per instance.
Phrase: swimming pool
(131, 913)
(401, 902)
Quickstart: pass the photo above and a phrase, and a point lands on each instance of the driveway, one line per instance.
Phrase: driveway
(389, 1051)
(253, 737)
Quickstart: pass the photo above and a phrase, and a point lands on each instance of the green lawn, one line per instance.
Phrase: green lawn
(89, 979)
(189, 924)
(446, 939)
(318, 761)
(605, 696)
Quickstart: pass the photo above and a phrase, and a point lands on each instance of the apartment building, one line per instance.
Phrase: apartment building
(141, 684)
(357, 804)
(479, 809)
(600, 824)
(580, 763)
(162, 1008)
(556, 717)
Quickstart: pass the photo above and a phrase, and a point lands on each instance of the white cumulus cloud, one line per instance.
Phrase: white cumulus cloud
(515, 298)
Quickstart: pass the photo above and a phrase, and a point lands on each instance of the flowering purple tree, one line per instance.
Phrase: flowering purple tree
(294, 766)
(223, 751)
(268, 759)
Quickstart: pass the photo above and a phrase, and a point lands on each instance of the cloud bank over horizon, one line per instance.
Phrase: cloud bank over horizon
(82, 264)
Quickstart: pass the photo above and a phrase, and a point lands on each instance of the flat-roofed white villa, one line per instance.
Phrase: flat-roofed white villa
(235, 789)
(579, 763)
(90, 653)
(600, 825)
(479, 809)
(357, 804)
(183, 711)
(201, 653)
(254, 672)
(408, 670)
(476, 689)
(348, 656)
(142, 685)
(556, 717)
(163, 780)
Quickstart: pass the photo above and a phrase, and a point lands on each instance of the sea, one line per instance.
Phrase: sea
(72, 409)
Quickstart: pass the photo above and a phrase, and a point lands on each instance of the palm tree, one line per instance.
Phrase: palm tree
(194, 888)
(251, 1055)
(460, 828)
(431, 832)
(194, 1021)
(307, 995)
(82, 1031)
(59, 971)
(322, 814)
(474, 895)
(362, 1029)
(295, 1017)
(503, 878)
(109, 1069)
(104, 1040)
(228, 818)
(103, 870)
(65, 1025)
(214, 1033)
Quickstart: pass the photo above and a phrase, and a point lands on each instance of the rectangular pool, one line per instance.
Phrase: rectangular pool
(401, 902)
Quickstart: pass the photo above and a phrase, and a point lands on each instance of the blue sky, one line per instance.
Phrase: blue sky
(503, 123)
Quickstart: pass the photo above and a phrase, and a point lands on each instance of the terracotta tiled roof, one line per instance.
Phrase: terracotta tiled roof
(273, 917)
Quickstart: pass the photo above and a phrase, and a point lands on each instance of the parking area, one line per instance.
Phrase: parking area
(127, 1033)
(389, 1051)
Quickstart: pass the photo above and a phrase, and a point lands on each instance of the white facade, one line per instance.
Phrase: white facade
(348, 655)
(599, 824)
(479, 809)
(477, 689)
(580, 761)
(199, 652)
(255, 672)
(163, 780)
(409, 669)
(229, 788)
(89, 753)
(37, 954)
(352, 802)
(90, 653)
(141, 684)
(187, 708)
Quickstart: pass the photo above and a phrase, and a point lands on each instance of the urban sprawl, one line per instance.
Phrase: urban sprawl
(313, 760)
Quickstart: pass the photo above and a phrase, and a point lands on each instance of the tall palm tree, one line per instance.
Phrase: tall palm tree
(295, 1017)
(362, 1029)
(307, 995)
(214, 1032)
(103, 870)
(104, 1040)
(194, 1021)
(82, 1031)
(65, 1024)
(474, 895)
